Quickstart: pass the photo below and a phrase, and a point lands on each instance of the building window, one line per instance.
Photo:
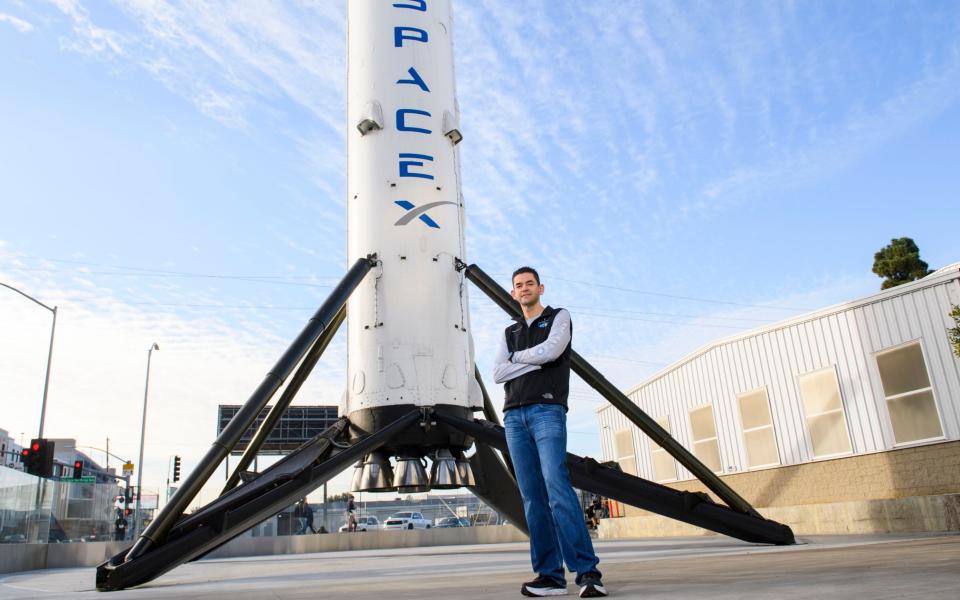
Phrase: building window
(705, 445)
(626, 456)
(758, 435)
(909, 396)
(823, 406)
(664, 467)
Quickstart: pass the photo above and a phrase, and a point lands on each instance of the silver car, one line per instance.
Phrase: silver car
(367, 523)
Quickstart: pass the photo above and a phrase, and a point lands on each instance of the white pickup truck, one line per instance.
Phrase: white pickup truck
(406, 520)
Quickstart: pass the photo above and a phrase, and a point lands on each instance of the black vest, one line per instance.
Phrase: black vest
(550, 384)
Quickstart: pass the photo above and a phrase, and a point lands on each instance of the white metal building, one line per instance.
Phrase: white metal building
(866, 376)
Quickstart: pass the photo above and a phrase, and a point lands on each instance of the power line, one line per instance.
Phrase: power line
(633, 360)
(279, 279)
(674, 296)
(252, 279)
(171, 272)
(620, 318)
(288, 277)
(302, 308)
(659, 314)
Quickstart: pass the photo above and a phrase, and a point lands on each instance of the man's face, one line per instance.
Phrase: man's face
(526, 290)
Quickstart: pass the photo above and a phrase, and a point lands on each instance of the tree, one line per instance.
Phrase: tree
(899, 263)
(954, 332)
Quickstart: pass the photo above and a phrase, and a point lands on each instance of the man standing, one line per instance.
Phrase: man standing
(120, 527)
(304, 515)
(533, 362)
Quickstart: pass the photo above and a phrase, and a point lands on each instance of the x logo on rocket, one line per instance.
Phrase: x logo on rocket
(418, 212)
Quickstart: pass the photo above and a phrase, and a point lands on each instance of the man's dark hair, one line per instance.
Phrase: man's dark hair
(530, 270)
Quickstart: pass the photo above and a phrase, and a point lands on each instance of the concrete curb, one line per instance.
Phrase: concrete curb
(29, 557)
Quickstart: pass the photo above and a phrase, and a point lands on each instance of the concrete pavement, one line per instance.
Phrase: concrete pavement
(875, 567)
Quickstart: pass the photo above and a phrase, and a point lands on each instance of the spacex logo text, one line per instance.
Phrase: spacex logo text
(413, 121)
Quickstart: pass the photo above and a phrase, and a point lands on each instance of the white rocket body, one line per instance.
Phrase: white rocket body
(409, 342)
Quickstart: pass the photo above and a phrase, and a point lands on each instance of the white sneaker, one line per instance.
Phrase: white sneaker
(592, 588)
(543, 586)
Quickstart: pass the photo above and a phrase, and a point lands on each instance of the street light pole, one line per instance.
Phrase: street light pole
(143, 429)
(46, 378)
(53, 330)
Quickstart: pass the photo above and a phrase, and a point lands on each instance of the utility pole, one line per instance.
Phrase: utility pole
(143, 429)
(46, 379)
(325, 507)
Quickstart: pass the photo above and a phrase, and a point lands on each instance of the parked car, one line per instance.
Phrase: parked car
(444, 522)
(481, 519)
(406, 520)
(367, 523)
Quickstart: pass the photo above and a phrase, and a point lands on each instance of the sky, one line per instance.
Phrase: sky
(678, 172)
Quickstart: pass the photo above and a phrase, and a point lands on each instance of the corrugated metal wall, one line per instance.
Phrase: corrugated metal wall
(844, 337)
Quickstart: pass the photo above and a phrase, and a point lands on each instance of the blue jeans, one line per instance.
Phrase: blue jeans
(537, 438)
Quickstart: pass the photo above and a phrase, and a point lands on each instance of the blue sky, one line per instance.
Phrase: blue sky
(678, 172)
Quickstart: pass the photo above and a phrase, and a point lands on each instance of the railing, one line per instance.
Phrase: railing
(35, 510)
(38, 511)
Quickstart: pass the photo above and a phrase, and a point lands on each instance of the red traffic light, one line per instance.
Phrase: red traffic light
(77, 464)
(38, 457)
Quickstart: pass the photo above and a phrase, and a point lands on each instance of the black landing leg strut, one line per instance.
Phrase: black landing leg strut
(588, 474)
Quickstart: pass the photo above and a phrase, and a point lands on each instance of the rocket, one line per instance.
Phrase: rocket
(412, 386)
(409, 339)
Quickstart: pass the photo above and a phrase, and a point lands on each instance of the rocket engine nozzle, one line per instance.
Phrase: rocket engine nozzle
(411, 475)
(375, 475)
(451, 470)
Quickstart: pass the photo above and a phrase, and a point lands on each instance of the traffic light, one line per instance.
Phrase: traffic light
(176, 469)
(77, 469)
(45, 457)
(38, 458)
(28, 457)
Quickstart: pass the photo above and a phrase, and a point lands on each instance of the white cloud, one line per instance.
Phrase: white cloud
(88, 37)
(925, 98)
(99, 367)
(618, 130)
(17, 23)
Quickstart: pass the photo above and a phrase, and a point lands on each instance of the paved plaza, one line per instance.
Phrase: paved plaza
(874, 567)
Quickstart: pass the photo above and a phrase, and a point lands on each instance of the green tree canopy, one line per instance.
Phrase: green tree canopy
(899, 263)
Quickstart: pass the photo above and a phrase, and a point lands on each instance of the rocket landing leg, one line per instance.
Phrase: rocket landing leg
(174, 538)
(239, 509)
(696, 509)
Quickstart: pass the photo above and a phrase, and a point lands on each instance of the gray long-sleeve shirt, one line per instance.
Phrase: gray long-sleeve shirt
(506, 367)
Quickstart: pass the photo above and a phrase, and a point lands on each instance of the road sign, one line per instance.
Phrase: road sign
(84, 479)
(127, 469)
